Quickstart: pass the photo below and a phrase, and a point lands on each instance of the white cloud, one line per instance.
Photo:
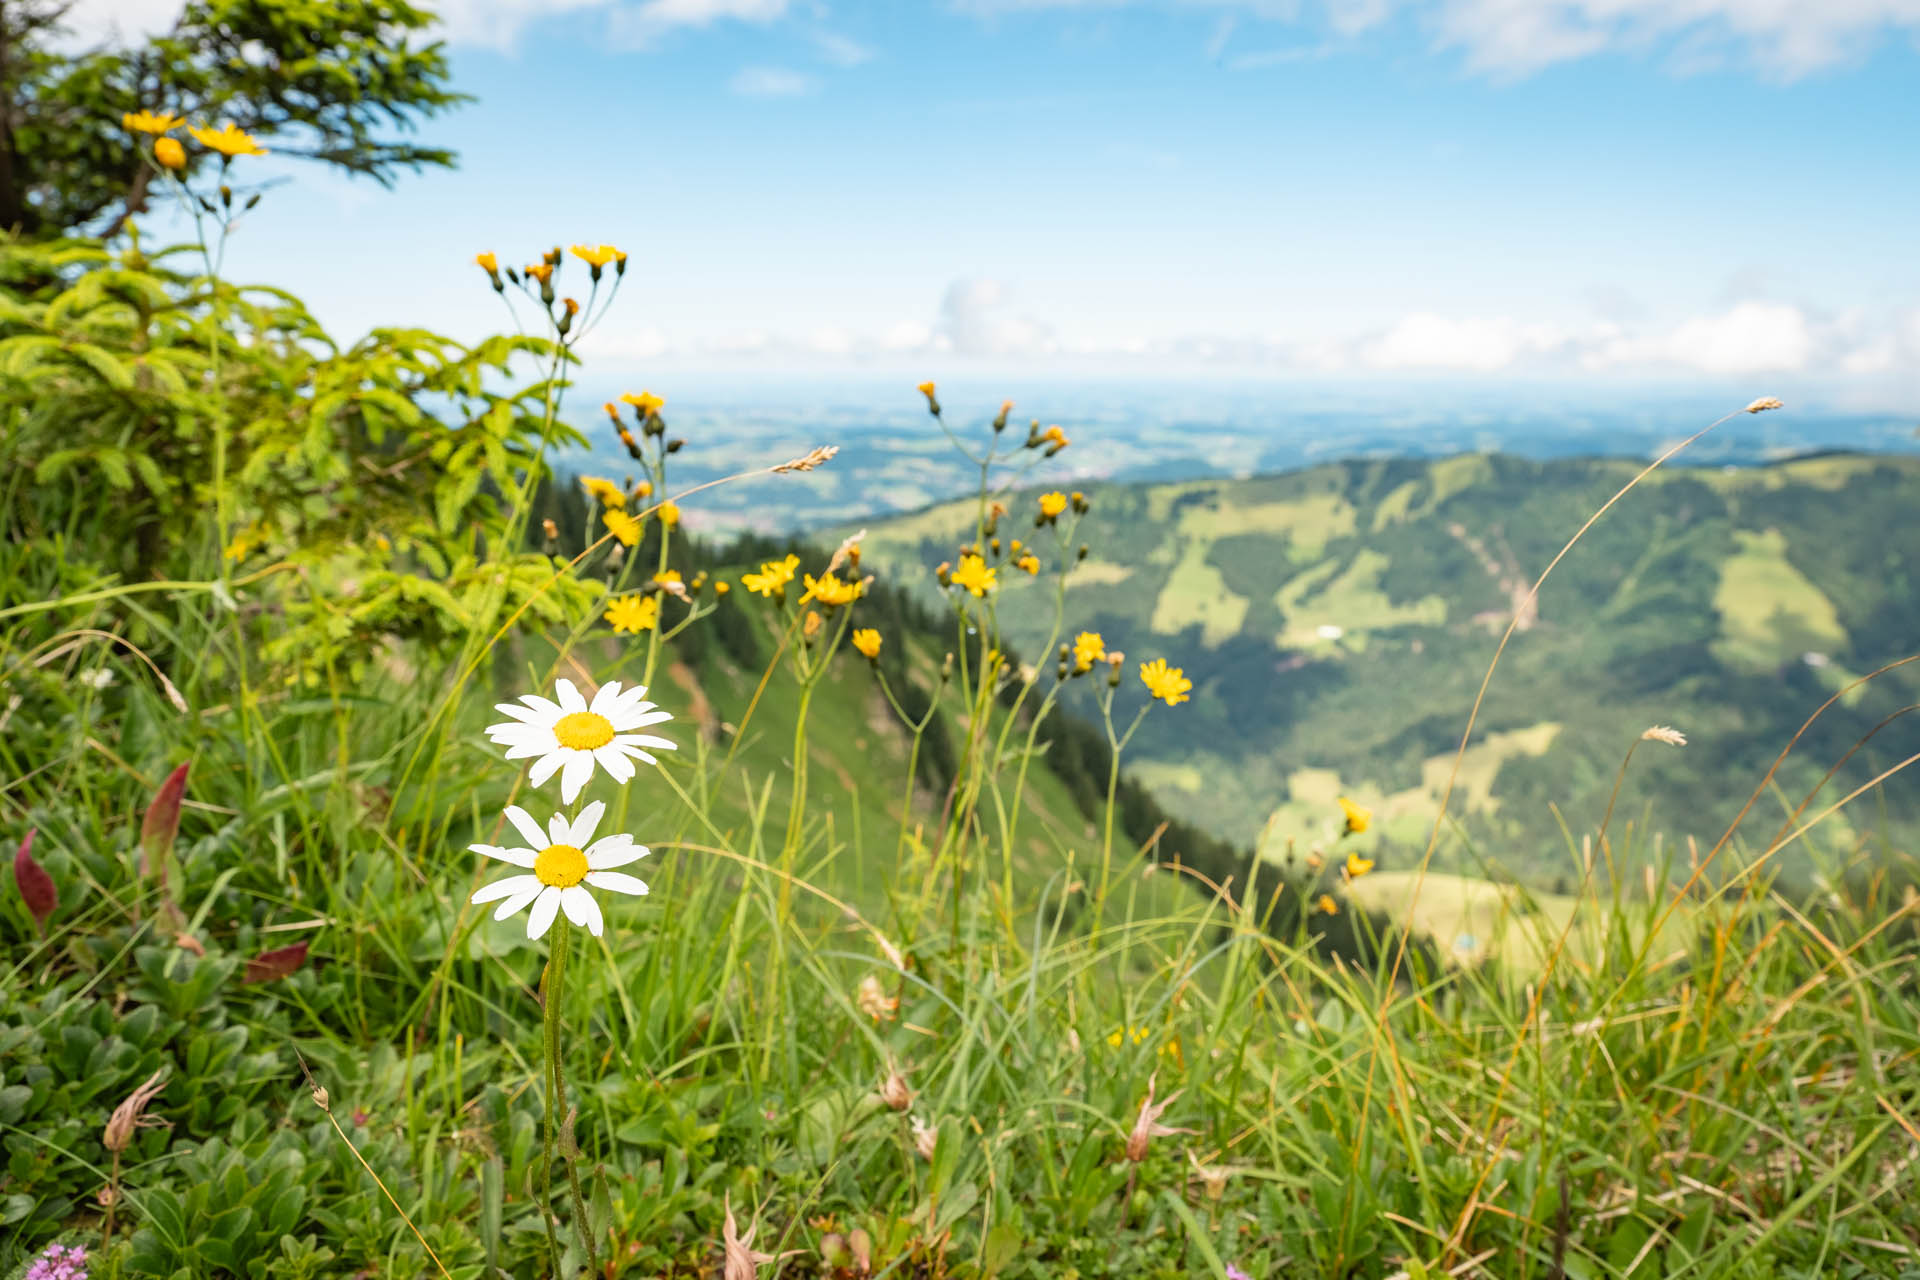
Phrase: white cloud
(772, 82)
(1748, 337)
(1782, 38)
(1427, 341)
(977, 320)
(841, 51)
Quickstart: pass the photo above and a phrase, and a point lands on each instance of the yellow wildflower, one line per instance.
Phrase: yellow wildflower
(623, 526)
(634, 614)
(1030, 563)
(774, 575)
(669, 514)
(1358, 819)
(1055, 437)
(148, 122)
(486, 262)
(170, 153)
(541, 271)
(229, 142)
(668, 575)
(721, 588)
(810, 625)
(867, 641)
(1358, 866)
(1328, 905)
(1088, 648)
(1135, 1034)
(604, 492)
(1166, 683)
(245, 542)
(597, 255)
(829, 590)
(646, 402)
(572, 305)
(975, 576)
(1052, 504)
(644, 489)
(933, 403)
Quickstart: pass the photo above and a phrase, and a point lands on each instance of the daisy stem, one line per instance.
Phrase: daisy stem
(557, 1097)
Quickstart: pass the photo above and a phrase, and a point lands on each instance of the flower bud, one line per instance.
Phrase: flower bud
(1000, 419)
(170, 153)
(1083, 552)
(676, 444)
(894, 1091)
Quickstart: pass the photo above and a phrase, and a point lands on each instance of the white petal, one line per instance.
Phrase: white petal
(502, 888)
(545, 908)
(522, 750)
(548, 710)
(518, 857)
(644, 740)
(579, 772)
(581, 909)
(529, 829)
(608, 695)
(570, 699)
(581, 832)
(558, 829)
(616, 882)
(518, 902)
(640, 719)
(618, 767)
(525, 715)
(547, 766)
(615, 851)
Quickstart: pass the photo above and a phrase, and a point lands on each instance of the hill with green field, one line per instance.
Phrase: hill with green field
(1337, 623)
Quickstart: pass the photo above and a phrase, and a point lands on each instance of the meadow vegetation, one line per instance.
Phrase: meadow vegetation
(918, 982)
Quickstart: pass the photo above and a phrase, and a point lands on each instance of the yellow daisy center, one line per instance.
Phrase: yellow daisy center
(560, 865)
(583, 731)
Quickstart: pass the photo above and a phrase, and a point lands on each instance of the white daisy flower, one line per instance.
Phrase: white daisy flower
(562, 862)
(569, 735)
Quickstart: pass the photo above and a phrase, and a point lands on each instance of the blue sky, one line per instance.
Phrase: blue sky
(1617, 192)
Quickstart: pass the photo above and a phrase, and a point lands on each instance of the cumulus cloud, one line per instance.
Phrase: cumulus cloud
(977, 319)
(980, 319)
(1427, 341)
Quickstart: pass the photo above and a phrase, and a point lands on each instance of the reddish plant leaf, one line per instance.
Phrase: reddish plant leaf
(280, 963)
(162, 822)
(36, 886)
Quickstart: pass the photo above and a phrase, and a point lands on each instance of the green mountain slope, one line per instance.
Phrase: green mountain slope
(1337, 623)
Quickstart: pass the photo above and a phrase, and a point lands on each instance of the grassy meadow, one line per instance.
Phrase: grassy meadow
(910, 991)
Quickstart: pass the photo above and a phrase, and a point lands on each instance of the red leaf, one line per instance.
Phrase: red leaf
(162, 822)
(36, 886)
(282, 963)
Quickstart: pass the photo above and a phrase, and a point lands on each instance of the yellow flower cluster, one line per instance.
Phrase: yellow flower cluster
(622, 526)
(829, 589)
(634, 614)
(1357, 818)
(773, 577)
(975, 575)
(1052, 505)
(1169, 684)
(229, 142)
(603, 491)
(1088, 648)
